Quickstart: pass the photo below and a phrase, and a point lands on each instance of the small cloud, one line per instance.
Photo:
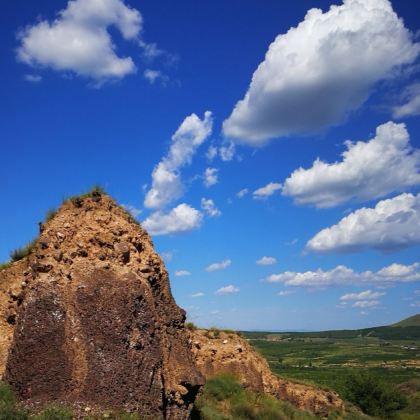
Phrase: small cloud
(286, 292)
(227, 152)
(197, 295)
(134, 211)
(292, 242)
(182, 273)
(210, 177)
(266, 261)
(211, 153)
(366, 304)
(180, 219)
(366, 295)
(167, 255)
(242, 193)
(364, 313)
(153, 76)
(267, 191)
(227, 290)
(209, 207)
(415, 304)
(219, 266)
(33, 78)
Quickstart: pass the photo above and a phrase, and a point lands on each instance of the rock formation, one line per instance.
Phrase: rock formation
(229, 353)
(88, 318)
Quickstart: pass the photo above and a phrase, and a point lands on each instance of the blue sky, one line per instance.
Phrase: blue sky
(177, 107)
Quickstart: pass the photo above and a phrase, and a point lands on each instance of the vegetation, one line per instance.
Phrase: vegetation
(8, 406)
(190, 326)
(20, 253)
(373, 395)
(324, 360)
(50, 215)
(412, 321)
(3, 266)
(55, 412)
(224, 398)
(76, 199)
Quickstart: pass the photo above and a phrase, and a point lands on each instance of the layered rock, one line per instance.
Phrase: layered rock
(89, 319)
(223, 352)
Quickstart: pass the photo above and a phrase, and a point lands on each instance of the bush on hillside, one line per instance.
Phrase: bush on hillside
(373, 396)
(190, 326)
(224, 398)
(8, 407)
(20, 253)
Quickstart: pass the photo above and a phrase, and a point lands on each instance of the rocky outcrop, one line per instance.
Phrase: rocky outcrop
(225, 352)
(89, 319)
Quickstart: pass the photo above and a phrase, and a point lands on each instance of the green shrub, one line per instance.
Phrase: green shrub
(55, 412)
(7, 397)
(222, 387)
(3, 266)
(50, 215)
(19, 253)
(224, 398)
(8, 407)
(215, 331)
(373, 396)
(190, 326)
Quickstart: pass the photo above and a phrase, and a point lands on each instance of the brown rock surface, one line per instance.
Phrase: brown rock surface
(229, 353)
(89, 319)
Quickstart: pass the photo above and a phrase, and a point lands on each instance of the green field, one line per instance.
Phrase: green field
(328, 358)
(326, 361)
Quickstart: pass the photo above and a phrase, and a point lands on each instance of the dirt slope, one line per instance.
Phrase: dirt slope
(228, 352)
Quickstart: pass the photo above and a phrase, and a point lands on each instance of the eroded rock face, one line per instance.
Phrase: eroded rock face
(89, 318)
(229, 353)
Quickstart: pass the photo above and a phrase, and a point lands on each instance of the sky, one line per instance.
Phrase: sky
(271, 149)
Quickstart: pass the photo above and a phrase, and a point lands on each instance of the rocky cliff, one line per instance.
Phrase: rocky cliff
(88, 317)
(218, 351)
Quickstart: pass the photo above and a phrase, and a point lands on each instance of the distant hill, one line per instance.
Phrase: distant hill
(412, 321)
(407, 329)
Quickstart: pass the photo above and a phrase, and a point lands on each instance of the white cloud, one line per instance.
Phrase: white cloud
(134, 211)
(166, 180)
(153, 76)
(180, 219)
(391, 225)
(368, 170)
(182, 273)
(210, 177)
(209, 207)
(33, 78)
(317, 72)
(411, 105)
(266, 261)
(167, 255)
(242, 193)
(227, 290)
(227, 151)
(366, 304)
(266, 191)
(286, 292)
(79, 41)
(197, 295)
(366, 295)
(211, 153)
(415, 304)
(219, 266)
(342, 275)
